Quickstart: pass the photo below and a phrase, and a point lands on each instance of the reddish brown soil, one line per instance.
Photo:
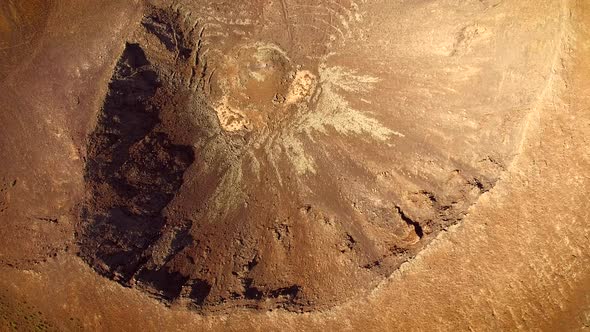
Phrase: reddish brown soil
(225, 160)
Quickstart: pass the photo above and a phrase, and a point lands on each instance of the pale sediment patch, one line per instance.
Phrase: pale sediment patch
(229, 191)
(302, 87)
(333, 110)
(230, 118)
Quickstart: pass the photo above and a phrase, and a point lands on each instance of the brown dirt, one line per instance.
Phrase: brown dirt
(293, 165)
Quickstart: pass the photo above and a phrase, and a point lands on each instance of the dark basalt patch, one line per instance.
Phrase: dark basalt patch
(132, 172)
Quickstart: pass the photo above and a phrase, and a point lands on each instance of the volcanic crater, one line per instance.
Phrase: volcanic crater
(239, 173)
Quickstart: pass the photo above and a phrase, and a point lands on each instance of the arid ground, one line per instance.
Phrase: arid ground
(295, 165)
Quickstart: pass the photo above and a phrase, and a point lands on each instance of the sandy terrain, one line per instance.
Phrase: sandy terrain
(295, 165)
